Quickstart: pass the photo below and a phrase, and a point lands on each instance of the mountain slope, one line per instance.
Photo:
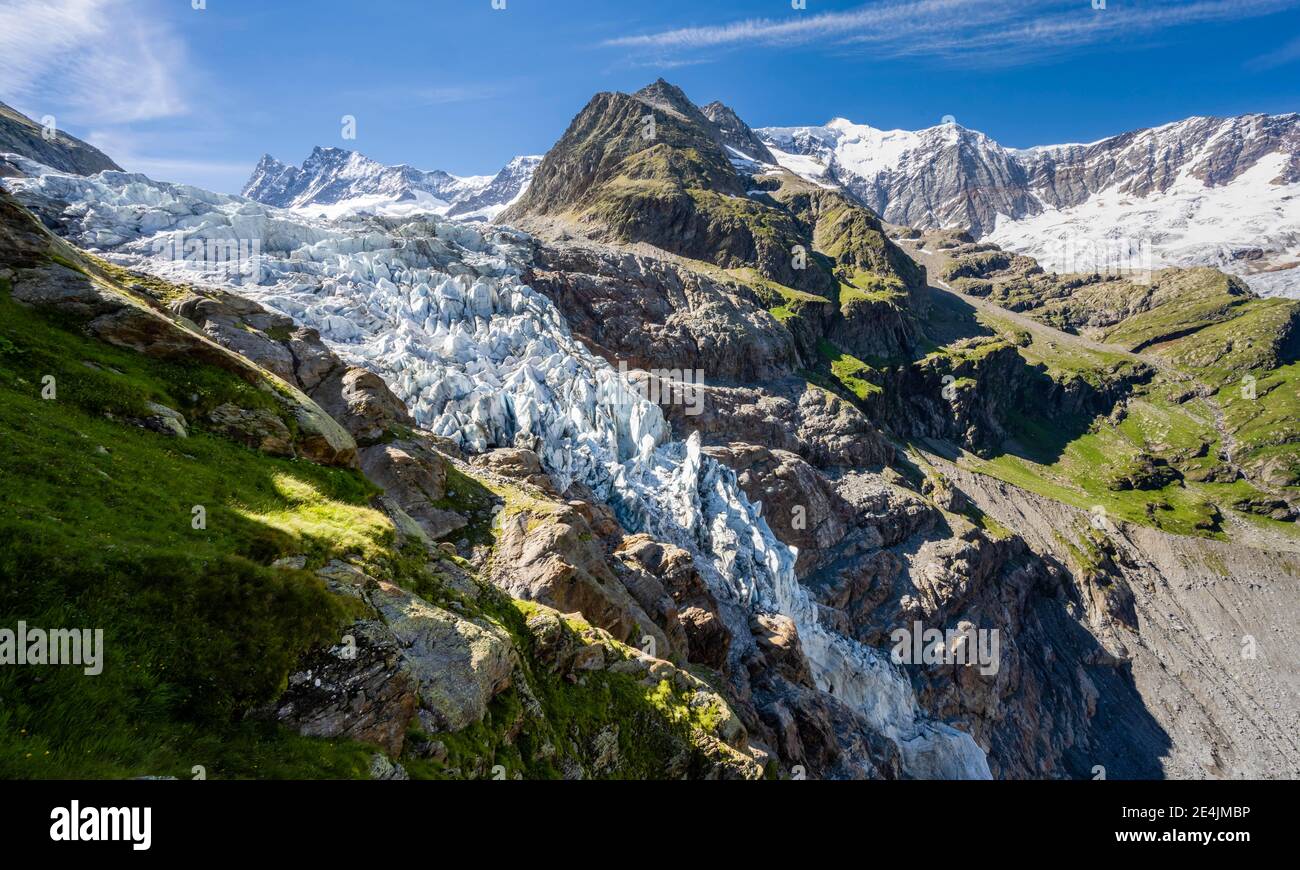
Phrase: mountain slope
(308, 626)
(736, 134)
(21, 135)
(652, 168)
(1225, 391)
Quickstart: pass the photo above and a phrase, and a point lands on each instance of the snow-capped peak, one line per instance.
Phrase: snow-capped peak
(1148, 181)
(336, 181)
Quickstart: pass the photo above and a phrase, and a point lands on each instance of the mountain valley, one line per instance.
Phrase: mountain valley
(450, 531)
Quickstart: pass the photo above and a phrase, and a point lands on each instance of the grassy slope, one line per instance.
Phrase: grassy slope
(1164, 418)
(198, 626)
(96, 532)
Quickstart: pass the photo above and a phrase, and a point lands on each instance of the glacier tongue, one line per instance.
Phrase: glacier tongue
(440, 311)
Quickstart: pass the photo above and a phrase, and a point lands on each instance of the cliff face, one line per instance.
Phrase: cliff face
(1192, 630)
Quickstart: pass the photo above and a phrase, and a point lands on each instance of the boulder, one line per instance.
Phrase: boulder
(257, 428)
(550, 555)
(360, 400)
(799, 504)
(459, 664)
(359, 690)
(67, 290)
(696, 611)
(517, 464)
(242, 326)
(414, 477)
(166, 421)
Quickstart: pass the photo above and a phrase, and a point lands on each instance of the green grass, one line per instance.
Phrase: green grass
(1210, 336)
(870, 288)
(784, 303)
(96, 532)
(850, 372)
(1080, 472)
(1184, 303)
(1061, 358)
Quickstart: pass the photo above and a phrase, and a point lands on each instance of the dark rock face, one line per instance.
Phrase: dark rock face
(707, 639)
(879, 557)
(791, 415)
(360, 691)
(736, 133)
(650, 314)
(555, 559)
(800, 506)
(21, 135)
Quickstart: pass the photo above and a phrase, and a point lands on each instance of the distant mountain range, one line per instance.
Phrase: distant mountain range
(1204, 191)
(334, 181)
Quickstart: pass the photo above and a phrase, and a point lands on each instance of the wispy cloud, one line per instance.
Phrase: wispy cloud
(103, 61)
(666, 63)
(798, 28)
(1288, 53)
(969, 31)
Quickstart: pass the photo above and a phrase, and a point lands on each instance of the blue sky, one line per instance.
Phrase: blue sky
(198, 95)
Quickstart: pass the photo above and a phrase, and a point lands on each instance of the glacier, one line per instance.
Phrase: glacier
(439, 309)
(1217, 192)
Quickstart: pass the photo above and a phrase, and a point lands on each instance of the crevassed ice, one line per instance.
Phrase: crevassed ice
(440, 311)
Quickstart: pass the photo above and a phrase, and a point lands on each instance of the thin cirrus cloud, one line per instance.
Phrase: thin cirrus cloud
(101, 61)
(1289, 53)
(965, 31)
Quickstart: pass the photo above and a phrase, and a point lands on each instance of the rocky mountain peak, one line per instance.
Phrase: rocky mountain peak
(667, 97)
(736, 133)
(348, 180)
(1029, 199)
(610, 152)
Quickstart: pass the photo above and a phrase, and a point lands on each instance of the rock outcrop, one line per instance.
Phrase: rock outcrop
(53, 147)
